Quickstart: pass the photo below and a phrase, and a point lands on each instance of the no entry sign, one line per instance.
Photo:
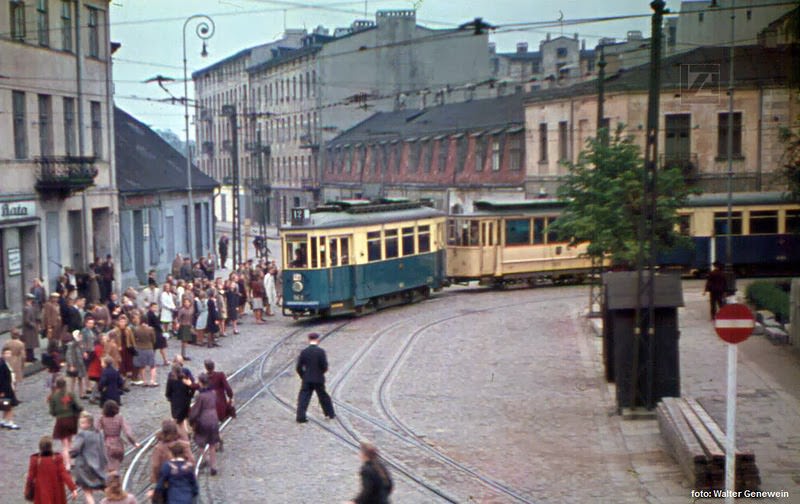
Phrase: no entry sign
(734, 323)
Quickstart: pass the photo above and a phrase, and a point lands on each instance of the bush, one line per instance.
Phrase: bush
(772, 296)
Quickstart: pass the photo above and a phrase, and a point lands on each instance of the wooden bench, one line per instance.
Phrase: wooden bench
(697, 443)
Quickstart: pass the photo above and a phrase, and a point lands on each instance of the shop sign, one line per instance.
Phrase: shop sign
(14, 261)
(12, 210)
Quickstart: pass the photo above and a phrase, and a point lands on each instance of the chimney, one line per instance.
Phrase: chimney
(492, 48)
(548, 37)
(576, 36)
(583, 45)
(522, 47)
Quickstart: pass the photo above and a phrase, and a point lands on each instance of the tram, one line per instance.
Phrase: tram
(356, 256)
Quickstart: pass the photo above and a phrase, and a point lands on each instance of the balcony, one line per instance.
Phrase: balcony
(686, 161)
(62, 176)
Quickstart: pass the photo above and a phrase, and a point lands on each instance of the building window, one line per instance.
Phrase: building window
(17, 9)
(413, 156)
(66, 25)
(20, 135)
(97, 130)
(722, 141)
(69, 126)
(561, 52)
(515, 153)
(45, 125)
(427, 156)
(348, 160)
(461, 153)
(563, 151)
(94, 33)
(496, 154)
(444, 145)
(700, 16)
(480, 153)
(543, 142)
(749, 14)
(42, 23)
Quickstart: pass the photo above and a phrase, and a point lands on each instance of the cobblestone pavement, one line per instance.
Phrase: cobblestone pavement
(507, 384)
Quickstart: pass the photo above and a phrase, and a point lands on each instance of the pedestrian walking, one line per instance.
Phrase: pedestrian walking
(270, 291)
(184, 318)
(17, 359)
(8, 395)
(51, 318)
(716, 285)
(222, 390)
(257, 295)
(88, 458)
(222, 247)
(113, 426)
(204, 420)
(65, 408)
(179, 392)
(154, 321)
(177, 483)
(122, 335)
(111, 383)
(376, 483)
(76, 365)
(200, 317)
(30, 327)
(47, 476)
(232, 300)
(213, 318)
(168, 306)
(144, 340)
(312, 364)
(115, 493)
(166, 440)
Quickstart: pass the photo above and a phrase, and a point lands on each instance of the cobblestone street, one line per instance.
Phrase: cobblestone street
(472, 396)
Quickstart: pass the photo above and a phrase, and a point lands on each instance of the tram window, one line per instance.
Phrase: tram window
(391, 243)
(552, 236)
(793, 221)
(764, 222)
(538, 231)
(408, 240)
(424, 239)
(323, 253)
(684, 225)
(721, 223)
(298, 250)
(452, 235)
(344, 245)
(474, 233)
(374, 246)
(333, 250)
(518, 231)
(314, 252)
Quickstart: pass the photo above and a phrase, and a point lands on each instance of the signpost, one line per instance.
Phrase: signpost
(734, 323)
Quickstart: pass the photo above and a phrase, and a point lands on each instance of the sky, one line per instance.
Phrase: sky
(150, 32)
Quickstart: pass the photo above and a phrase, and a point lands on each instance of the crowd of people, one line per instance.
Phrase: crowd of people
(98, 343)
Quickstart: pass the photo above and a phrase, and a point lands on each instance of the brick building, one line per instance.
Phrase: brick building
(452, 154)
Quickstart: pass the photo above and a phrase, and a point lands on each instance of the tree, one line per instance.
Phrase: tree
(175, 141)
(791, 161)
(603, 196)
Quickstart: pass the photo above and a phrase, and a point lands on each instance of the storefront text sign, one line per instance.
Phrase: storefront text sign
(12, 210)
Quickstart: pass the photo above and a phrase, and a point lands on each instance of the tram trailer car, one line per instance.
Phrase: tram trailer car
(765, 237)
(357, 256)
(503, 243)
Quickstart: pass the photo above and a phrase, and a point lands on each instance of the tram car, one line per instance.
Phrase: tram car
(503, 243)
(764, 232)
(357, 256)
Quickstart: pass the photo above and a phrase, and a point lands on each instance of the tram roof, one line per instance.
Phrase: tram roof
(739, 198)
(510, 207)
(357, 213)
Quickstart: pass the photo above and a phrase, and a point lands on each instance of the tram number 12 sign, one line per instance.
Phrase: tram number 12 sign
(734, 323)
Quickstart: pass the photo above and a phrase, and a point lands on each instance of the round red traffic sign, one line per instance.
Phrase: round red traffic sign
(734, 323)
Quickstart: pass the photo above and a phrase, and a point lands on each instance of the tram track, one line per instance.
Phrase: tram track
(136, 479)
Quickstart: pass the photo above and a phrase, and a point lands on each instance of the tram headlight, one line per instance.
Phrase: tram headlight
(297, 287)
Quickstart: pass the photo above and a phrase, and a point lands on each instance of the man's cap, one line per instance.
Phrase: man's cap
(29, 296)
(313, 336)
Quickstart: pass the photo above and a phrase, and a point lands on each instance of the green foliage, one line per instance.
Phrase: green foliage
(603, 193)
(769, 295)
(791, 160)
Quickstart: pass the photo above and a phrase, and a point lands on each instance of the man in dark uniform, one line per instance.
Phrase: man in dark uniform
(312, 366)
(716, 286)
(223, 251)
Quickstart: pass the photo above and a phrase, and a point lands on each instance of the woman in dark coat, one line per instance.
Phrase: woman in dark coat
(89, 458)
(179, 392)
(205, 422)
(218, 382)
(176, 479)
(212, 327)
(376, 484)
(47, 475)
(7, 391)
(232, 298)
(111, 382)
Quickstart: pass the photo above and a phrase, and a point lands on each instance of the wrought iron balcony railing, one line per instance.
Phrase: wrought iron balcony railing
(65, 175)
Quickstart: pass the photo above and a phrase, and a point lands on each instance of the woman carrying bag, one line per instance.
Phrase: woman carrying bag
(47, 476)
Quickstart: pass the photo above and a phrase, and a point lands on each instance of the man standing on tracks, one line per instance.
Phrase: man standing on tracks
(312, 366)
(716, 285)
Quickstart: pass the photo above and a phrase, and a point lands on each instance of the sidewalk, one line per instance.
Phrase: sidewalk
(768, 406)
(248, 234)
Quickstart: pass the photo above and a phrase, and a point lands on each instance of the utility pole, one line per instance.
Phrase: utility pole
(230, 112)
(595, 283)
(730, 279)
(645, 285)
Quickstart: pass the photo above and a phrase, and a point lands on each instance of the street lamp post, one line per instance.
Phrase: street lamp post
(204, 29)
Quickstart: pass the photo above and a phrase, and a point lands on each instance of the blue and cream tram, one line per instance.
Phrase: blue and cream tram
(356, 256)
